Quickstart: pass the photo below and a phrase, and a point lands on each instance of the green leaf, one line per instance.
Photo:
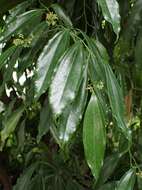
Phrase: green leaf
(139, 180)
(127, 181)
(29, 56)
(11, 63)
(116, 101)
(10, 124)
(20, 22)
(67, 79)
(6, 55)
(61, 14)
(72, 117)
(48, 60)
(110, 164)
(45, 120)
(19, 9)
(24, 180)
(108, 186)
(110, 10)
(94, 136)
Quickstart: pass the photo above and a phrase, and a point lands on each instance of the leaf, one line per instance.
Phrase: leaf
(116, 101)
(19, 9)
(11, 63)
(127, 181)
(110, 164)
(100, 70)
(25, 179)
(108, 186)
(30, 56)
(20, 22)
(72, 117)
(139, 181)
(6, 55)
(10, 124)
(61, 14)
(110, 10)
(45, 121)
(67, 79)
(94, 136)
(21, 136)
(47, 61)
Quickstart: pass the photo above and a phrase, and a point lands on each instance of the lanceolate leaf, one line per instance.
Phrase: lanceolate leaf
(20, 22)
(94, 136)
(67, 79)
(47, 62)
(6, 55)
(110, 10)
(10, 124)
(116, 101)
(73, 115)
(99, 66)
(127, 182)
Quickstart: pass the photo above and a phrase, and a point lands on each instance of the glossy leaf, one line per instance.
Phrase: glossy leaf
(19, 9)
(48, 60)
(72, 117)
(10, 124)
(110, 10)
(61, 14)
(94, 136)
(127, 181)
(67, 79)
(20, 22)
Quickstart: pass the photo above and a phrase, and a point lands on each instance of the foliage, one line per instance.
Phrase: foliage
(70, 95)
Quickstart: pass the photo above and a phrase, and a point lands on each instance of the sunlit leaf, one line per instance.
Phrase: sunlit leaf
(67, 79)
(48, 60)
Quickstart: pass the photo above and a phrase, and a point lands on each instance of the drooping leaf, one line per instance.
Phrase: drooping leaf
(94, 136)
(127, 181)
(20, 22)
(110, 10)
(47, 61)
(45, 120)
(6, 55)
(19, 9)
(10, 124)
(116, 101)
(11, 63)
(21, 136)
(61, 14)
(67, 79)
(38, 35)
(73, 114)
